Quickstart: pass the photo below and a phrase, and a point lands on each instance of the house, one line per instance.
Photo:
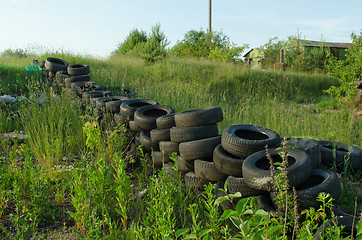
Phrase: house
(337, 49)
(254, 58)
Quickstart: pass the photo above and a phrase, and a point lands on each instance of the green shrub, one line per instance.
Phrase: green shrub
(130, 45)
(201, 44)
(348, 71)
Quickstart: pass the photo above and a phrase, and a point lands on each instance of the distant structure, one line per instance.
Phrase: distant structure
(337, 49)
(254, 58)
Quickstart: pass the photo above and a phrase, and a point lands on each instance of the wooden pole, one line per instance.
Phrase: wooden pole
(209, 16)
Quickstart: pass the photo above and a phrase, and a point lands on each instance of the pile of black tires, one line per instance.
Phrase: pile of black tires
(237, 157)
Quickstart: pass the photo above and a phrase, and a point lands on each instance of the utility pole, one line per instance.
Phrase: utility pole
(209, 16)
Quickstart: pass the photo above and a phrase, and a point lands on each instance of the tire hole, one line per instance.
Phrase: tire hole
(251, 135)
(314, 180)
(155, 113)
(263, 163)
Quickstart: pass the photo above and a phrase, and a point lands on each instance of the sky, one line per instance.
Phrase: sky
(97, 27)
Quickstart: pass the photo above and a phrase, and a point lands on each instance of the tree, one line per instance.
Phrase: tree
(202, 44)
(349, 71)
(272, 50)
(130, 44)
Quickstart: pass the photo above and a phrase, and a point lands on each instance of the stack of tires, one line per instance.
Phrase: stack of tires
(140, 118)
(237, 143)
(243, 157)
(161, 135)
(52, 66)
(195, 136)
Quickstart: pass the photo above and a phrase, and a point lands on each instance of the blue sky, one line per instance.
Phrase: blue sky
(97, 27)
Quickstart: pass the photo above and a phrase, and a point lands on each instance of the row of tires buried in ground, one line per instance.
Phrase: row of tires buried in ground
(237, 156)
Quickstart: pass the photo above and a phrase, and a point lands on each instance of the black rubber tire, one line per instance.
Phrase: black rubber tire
(309, 146)
(243, 140)
(321, 180)
(341, 152)
(199, 117)
(194, 182)
(235, 184)
(78, 69)
(41, 64)
(60, 76)
(87, 95)
(166, 121)
(87, 87)
(207, 171)
(145, 117)
(160, 135)
(227, 163)
(169, 147)
(147, 142)
(186, 134)
(256, 168)
(119, 121)
(185, 166)
(113, 103)
(265, 202)
(68, 81)
(79, 87)
(349, 223)
(199, 149)
(159, 159)
(55, 64)
(133, 126)
(101, 104)
(129, 107)
(137, 139)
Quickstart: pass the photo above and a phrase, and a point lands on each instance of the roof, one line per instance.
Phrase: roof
(325, 44)
(253, 49)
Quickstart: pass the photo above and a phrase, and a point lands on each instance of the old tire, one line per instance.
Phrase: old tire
(169, 147)
(309, 146)
(129, 107)
(235, 184)
(160, 135)
(145, 117)
(227, 163)
(256, 168)
(55, 64)
(199, 117)
(114, 102)
(166, 121)
(185, 166)
(82, 78)
(342, 152)
(194, 182)
(78, 69)
(199, 149)
(147, 142)
(186, 134)
(243, 140)
(207, 171)
(87, 95)
(133, 126)
(321, 180)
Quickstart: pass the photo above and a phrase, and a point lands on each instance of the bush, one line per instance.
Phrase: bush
(129, 46)
(150, 48)
(299, 60)
(272, 51)
(348, 71)
(201, 44)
